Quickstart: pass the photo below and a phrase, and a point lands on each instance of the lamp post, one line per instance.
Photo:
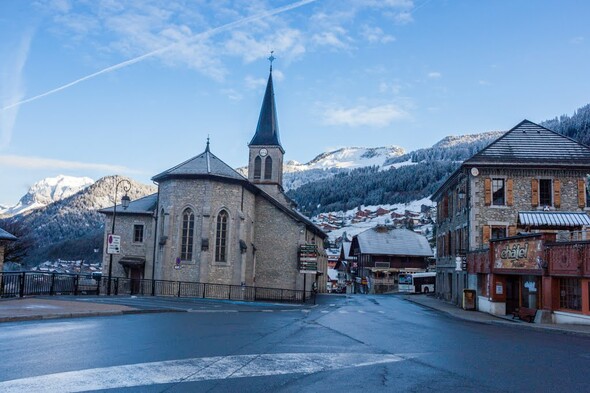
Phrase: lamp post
(125, 203)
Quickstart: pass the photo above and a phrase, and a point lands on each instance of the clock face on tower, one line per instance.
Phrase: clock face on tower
(263, 152)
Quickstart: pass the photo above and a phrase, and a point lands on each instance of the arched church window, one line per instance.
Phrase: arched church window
(268, 168)
(257, 167)
(188, 228)
(221, 237)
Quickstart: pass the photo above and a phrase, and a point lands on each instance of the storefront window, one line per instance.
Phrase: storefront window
(530, 291)
(570, 293)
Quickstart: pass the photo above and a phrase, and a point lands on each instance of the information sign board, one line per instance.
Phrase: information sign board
(114, 244)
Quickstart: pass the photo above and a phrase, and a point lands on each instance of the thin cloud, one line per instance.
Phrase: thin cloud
(27, 162)
(12, 87)
(194, 39)
(434, 75)
(377, 116)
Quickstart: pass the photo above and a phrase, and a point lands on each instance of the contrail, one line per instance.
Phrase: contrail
(199, 36)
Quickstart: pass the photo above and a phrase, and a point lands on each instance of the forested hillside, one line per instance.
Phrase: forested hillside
(372, 186)
(375, 186)
(576, 127)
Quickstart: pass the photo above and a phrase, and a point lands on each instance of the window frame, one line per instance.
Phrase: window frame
(257, 168)
(187, 235)
(570, 293)
(221, 236)
(548, 182)
(268, 168)
(494, 191)
(141, 234)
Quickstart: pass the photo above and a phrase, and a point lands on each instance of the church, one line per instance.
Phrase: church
(208, 223)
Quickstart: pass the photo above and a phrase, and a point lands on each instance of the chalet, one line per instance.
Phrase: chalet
(382, 252)
(498, 215)
(381, 212)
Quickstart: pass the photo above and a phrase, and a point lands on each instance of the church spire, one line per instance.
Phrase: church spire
(267, 131)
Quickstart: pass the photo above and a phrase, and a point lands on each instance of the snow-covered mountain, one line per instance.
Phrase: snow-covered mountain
(47, 191)
(328, 164)
(72, 227)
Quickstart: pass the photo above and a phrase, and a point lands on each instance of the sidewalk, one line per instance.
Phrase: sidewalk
(480, 317)
(23, 309)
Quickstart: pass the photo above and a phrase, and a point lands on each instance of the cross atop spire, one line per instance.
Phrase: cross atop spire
(271, 59)
(207, 148)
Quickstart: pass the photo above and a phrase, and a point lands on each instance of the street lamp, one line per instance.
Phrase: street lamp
(125, 203)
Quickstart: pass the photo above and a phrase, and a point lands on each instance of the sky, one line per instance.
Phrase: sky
(134, 87)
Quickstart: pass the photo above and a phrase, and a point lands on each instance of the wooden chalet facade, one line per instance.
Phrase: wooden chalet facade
(382, 253)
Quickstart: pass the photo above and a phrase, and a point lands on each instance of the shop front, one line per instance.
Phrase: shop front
(512, 277)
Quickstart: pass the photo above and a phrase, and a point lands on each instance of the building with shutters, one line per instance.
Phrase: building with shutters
(208, 223)
(531, 180)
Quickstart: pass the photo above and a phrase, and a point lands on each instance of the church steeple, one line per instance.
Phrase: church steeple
(267, 131)
(265, 166)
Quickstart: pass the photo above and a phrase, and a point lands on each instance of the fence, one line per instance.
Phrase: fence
(32, 283)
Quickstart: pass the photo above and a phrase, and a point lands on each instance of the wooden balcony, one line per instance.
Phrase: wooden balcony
(568, 258)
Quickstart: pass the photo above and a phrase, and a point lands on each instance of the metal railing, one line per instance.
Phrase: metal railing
(20, 284)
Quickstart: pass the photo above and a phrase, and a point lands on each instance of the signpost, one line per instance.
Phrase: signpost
(308, 259)
(114, 244)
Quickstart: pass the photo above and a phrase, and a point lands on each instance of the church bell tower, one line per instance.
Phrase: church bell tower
(265, 164)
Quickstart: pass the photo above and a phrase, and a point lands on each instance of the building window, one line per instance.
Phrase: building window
(587, 194)
(221, 237)
(570, 293)
(498, 194)
(257, 167)
(498, 232)
(268, 168)
(545, 192)
(137, 233)
(188, 227)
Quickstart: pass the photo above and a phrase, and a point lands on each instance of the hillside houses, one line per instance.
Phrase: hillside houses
(419, 221)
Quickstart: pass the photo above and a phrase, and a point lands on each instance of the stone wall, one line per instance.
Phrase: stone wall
(206, 198)
(124, 227)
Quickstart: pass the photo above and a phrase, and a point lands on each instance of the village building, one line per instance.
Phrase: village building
(382, 253)
(207, 223)
(5, 237)
(500, 217)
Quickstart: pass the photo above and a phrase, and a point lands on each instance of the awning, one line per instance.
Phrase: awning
(132, 261)
(553, 219)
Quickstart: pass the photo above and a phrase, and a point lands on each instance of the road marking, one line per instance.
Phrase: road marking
(325, 311)
(194, 370)
(212, 311)
(381, 312)
(361, 311)
(343, 312)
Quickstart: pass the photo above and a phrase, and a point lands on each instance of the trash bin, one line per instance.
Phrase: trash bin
(469, 299)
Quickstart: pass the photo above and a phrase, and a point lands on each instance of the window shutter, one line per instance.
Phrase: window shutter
(486, 235)
(581, 193)
(488, 191)
(556, 193)
(445, 207)
(535, 192)
(509, 199)
(512, 230)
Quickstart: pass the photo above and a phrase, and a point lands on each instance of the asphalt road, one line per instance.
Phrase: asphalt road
(345, 344)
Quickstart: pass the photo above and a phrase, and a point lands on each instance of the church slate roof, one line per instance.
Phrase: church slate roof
(531, 144)
(6, 235)
(267, 130)
(205, 164)
(383, 241)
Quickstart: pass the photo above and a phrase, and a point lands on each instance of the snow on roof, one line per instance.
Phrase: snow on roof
(384, 241)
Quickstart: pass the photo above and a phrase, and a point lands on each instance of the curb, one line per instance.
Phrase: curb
(82, 314)
(507, 323)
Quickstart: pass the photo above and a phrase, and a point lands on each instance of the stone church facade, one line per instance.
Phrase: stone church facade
(207, 223)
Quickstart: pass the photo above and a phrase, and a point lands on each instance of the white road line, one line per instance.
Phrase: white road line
(325, 311)
(194, 370)
(343, 312)
(381, 312)
(361, 311)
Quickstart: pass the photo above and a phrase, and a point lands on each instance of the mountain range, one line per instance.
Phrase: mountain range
(59, 215)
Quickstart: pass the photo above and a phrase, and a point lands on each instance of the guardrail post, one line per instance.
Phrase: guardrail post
(153, 287)
(254, 293)
(179, 289)
(21, 280)
(281, 295)
(204, 289)
(98, 286)
(51, 287)
(116, 285)
(76, 282)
